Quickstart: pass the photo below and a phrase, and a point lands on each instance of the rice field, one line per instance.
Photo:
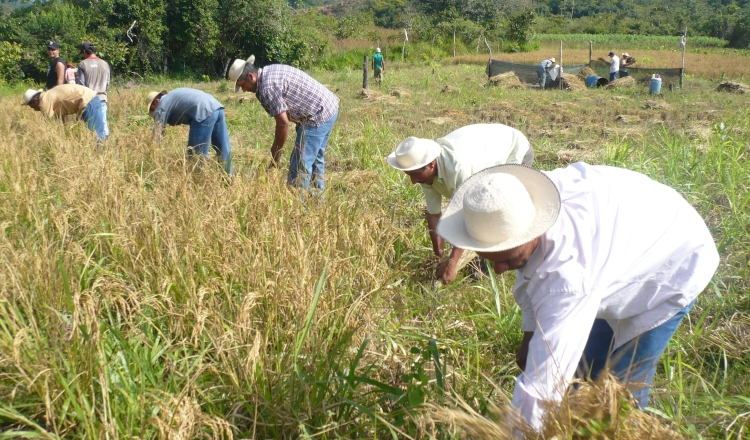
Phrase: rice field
(145, 295)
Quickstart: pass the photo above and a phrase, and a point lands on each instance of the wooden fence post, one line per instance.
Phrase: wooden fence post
(561, 67)
(591, 52)
(682, 70)
(364, 73)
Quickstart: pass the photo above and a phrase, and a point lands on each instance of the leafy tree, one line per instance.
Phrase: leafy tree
(519, 29)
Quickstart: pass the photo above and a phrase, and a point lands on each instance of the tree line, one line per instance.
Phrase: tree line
(202, 36)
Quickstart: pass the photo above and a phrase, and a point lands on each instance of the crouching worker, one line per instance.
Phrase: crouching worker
(608, 263)
(442, 166)
(202, 112)
(69, 99)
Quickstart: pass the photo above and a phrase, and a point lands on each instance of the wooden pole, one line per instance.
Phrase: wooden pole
(403, 48)
(591, 52)
(365, 75)
(561, 67)
(682, 70)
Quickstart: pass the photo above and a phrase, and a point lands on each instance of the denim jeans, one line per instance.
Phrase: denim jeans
(542, 74)
(624, 73)
(104, 119)
(92, 116)
(636, 360)
(213, 131)
(307, 160)
(612, 76)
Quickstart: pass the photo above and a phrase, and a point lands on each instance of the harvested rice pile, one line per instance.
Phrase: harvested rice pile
(733, 87)
(585, 73)
(399, 93)
(507, 80)
(620, 83)
(603, 409)
(572, 82)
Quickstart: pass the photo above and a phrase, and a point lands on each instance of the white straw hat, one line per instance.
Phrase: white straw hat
(625, 54)
(29, 95)
(413, 153)
(553, 59)
(235, 70)
(151, 97)
(500, 208)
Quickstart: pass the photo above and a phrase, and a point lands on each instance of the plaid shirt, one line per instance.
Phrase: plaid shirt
(283, 88)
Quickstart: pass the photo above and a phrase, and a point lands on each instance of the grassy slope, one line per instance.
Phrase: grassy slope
(141, 298)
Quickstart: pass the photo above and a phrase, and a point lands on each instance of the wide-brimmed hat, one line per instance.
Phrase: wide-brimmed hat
(625, 54)
(235, 70)
(151, 97)
(553, 59)
(29, 95)
(413, 153)
(500, 208)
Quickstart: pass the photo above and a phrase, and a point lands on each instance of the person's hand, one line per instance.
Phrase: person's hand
(273, 165)
(446, 271)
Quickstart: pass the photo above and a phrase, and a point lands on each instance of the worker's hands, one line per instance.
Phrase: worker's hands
(446, 271)
(523, 351)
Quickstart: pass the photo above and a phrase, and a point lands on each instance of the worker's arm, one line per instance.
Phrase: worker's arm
(446, 271)
(279, 138)
(60, 69)
(437, 241)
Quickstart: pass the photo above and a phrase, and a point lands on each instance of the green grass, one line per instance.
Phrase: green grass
(143, 298)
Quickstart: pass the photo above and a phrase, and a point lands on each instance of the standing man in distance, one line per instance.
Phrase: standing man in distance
(202, 112)
(542, 71)
(608, 263)
(56, 69)
(441, 166)
(378, 65)
(614, 66)
(93, 72)
(291, 95)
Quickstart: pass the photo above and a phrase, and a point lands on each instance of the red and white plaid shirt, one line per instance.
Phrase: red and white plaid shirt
(283, 88)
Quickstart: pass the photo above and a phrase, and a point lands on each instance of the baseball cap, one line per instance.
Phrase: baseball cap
(87, 46)
(53, 45)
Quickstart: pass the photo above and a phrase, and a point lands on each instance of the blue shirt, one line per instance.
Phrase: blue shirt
(183, 106)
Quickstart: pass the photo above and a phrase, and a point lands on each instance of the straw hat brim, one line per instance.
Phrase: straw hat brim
(544, 196)
(163, 92)
(433, 154)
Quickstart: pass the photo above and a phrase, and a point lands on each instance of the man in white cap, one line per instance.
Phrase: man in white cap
(614, 66)
(542, 71)
(68, 99)
(378, 65)
(608, 263)
(202, 112)
(291, 95)
(442, 166)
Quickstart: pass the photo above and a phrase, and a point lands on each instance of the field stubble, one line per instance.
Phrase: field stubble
(148, 295)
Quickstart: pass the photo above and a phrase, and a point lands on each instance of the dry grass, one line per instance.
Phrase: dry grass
(507, 80)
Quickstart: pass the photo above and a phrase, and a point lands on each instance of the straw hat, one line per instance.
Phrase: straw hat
(235, 70)
(413, 153)
(625, 54)
(553, 59)
(151, 97)
(500, 208)
(29, 95)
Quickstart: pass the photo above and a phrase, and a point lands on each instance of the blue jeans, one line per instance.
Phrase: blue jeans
(92, 116)
(104, 119)
(636, 360)
(612, 76)
(542, 74)
(307, 161)
(624, 73)
(213, 131)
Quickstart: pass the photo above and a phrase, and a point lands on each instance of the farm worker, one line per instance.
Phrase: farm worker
(626, 61)
(442, 166)
(56, 69)
(68, 99)
(608, 263)
(542, 70)
(614, 66)
(94, 73)
(378, 65)
(70, 73)
(291, 95)
(202, 112)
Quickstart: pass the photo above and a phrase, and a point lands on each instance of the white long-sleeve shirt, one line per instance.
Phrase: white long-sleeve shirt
(467, 151)
(624, 248)
(614, 64)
